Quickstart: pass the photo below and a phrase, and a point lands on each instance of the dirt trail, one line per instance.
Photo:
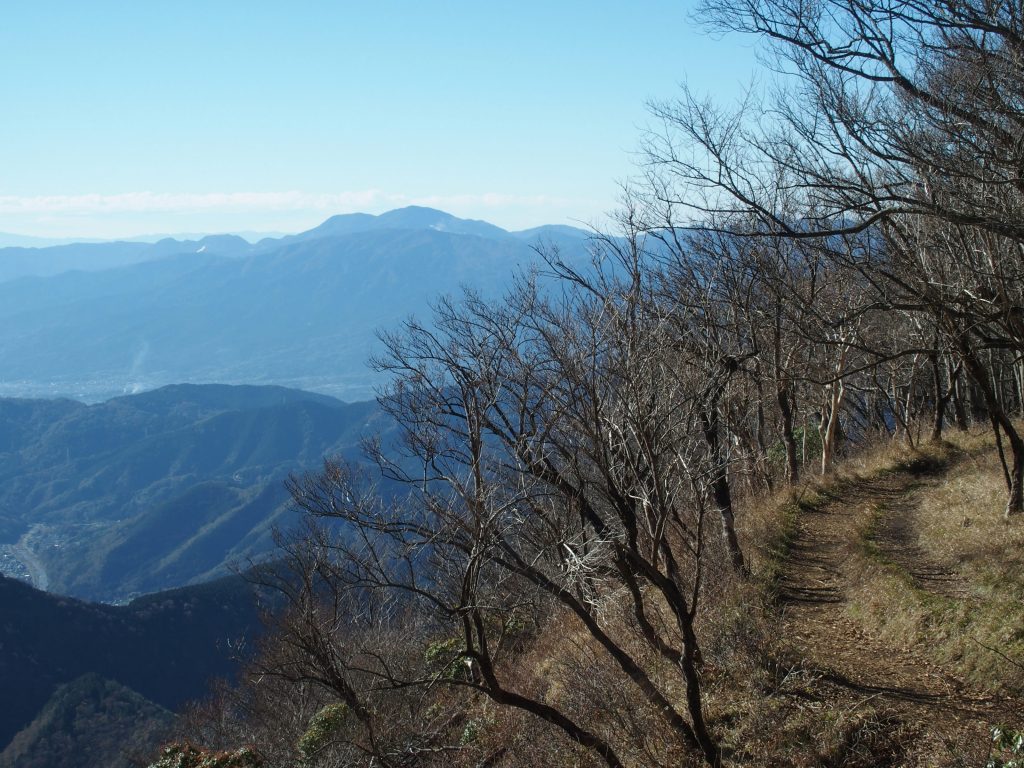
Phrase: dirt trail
(856, 667)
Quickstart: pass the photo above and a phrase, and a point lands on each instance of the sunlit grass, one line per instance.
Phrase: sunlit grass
(973, 627)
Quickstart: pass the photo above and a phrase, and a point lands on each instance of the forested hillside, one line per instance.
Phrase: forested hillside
(748, 492)
(160, 489)
(165, 647)
(89, 721)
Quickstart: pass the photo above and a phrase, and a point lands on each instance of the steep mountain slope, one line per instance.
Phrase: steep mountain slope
(156, 490)
(301, 311)
(164, 646)
(88, 722)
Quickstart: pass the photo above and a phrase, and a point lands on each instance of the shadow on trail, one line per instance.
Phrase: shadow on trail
(889, 692)
(814, 561)
(832, 543)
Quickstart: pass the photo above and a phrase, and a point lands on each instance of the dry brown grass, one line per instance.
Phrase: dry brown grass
(974, 624)
(766, 523)
(796, 717)
(765, 705)
(782, 713)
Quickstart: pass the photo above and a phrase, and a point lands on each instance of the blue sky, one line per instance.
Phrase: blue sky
(124, 118)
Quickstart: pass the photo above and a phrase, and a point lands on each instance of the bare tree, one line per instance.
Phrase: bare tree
(547, 449)
(894, 125)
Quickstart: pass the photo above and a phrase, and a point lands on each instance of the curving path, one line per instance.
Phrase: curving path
(948, 718)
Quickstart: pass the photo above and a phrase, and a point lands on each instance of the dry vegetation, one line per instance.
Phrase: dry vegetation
(775, 691)
(936, 614)
(960, 598)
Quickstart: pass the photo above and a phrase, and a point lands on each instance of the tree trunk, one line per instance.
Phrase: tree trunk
(762, 450)
(720, 488)
(792, 462)
(941, 398)
(979, 409)
(688, 666)
(1000, 421)
(1019, 368)
(956, 387)
(908, 404)
(828, 428)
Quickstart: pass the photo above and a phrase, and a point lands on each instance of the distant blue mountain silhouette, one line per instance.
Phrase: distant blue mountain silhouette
(299, 311)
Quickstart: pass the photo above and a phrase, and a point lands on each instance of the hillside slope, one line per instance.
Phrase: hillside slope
(161, 489)
(88, 722)
(882, 617)
(166, 646)
(879, 626)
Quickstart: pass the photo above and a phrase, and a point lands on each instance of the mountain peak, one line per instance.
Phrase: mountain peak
(411, 217)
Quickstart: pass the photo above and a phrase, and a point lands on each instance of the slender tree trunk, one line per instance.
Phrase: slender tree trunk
(694, 704)
(1000, 421)
(908, 403)
(803, 444)
(550, 714)
(979, 409)
(1019, 375)
(996, 377)
(720, 488)
(941, 398)
(944, 398)
(828, 429)
(956, 386)
(762, 451)
(786, 409)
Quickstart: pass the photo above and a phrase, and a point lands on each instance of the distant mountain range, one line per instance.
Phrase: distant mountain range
(161, 489)
(11, 240)
(172, 473)
(99, 319)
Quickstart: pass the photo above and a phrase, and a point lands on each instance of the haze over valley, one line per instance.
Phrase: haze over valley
(120, 479)
(95, 321)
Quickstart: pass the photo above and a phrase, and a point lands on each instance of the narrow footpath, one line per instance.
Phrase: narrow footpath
(948, 723)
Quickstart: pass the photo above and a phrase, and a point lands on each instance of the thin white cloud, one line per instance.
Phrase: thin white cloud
(187, 202)
(256, 202)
